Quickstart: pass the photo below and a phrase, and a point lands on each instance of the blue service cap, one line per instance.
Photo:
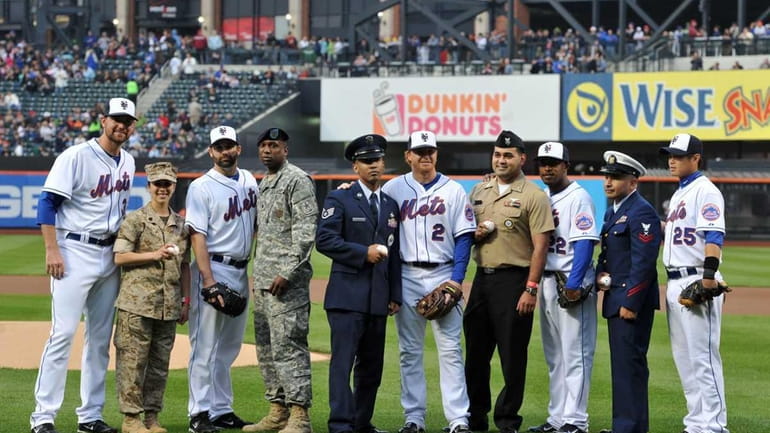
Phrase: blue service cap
(369, 146)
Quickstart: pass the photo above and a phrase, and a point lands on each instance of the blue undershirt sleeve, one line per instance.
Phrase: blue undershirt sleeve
(715, 237)
(583, 251)
(462, 256)
(47, 205)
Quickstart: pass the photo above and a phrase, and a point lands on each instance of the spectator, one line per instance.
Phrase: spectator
(11, 100)
(696, 62)
(714, 67)
(737, 66)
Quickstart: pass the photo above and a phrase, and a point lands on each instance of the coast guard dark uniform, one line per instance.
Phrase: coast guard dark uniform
(359, 293)
(631, 237)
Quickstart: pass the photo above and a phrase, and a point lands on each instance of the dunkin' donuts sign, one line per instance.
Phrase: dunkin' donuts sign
(456, 109)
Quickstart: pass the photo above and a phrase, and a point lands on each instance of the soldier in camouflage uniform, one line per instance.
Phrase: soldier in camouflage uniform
(286, 224)
(152, 248)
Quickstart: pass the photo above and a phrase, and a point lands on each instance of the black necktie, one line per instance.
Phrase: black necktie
(373, 207)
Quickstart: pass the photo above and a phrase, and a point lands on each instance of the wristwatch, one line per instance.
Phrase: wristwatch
(531, 288)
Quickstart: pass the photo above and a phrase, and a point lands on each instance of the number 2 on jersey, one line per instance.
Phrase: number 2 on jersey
(438, 232)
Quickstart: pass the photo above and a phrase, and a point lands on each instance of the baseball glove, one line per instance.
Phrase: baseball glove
(440, 300)
(234, 303)
(566, 297)
(695, 294)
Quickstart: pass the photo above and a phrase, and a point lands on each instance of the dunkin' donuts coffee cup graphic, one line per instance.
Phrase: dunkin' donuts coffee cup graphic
(386, 108)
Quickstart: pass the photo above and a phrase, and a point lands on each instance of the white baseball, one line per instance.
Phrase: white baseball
(173, 249)
(490, 226)
(605, 280)
(382, 249)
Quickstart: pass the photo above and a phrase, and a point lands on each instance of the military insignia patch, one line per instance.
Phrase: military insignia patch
(327, 213)
(646, 236)
(391, 239)
(274, 133)
(622, 219)
(392, 223)
(508, 224)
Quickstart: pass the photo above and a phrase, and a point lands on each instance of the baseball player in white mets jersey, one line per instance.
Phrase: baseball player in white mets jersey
(569, 334)
(692, 250)
(221, 211)
(83, 203)
(437, 226)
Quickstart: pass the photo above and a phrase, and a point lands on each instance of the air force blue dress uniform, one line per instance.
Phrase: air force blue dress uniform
(631, 237)
(358, 292)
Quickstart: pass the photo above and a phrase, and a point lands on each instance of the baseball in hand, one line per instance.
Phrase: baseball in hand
(173, 249)
(605, 281)
(489, 225)
(382, 249)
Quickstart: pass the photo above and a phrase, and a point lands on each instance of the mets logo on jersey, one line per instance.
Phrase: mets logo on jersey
(468, 212)
(106, 187)
(583, 221)
(236, 207)
(710, 212)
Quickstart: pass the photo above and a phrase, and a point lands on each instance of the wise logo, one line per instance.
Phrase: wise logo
(446, 114)
(586, 107)
(723, 105)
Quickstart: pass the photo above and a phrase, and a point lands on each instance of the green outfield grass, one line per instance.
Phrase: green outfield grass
(743, 341)
(742, 266)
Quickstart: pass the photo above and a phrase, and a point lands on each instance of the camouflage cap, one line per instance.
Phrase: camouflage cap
(160, 171)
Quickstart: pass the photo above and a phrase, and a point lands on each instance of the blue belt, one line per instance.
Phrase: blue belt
(676, 273)
(239, 264)
(93, 241)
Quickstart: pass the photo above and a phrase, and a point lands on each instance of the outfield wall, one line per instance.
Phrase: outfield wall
(747, 201)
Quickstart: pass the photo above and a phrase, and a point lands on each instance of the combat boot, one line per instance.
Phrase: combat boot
(299, 421)
(133, 424)
(151, 422)
(274, 420)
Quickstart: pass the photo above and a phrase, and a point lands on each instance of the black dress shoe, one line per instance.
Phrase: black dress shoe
(44, 428)
(229, 420)
(97, 426)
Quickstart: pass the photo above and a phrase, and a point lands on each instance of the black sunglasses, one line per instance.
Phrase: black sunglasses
(162, 183)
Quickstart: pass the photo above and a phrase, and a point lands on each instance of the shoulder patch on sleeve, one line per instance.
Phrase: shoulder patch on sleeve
(710, 212)
(584, 221)
(468, 212)
(327, 213)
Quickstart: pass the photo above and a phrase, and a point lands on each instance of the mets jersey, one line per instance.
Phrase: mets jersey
(97, 188)
(430, 220)
(224, 210)
(573, 217)
(694, 209)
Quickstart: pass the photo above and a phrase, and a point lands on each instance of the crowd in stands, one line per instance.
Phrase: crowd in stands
(26, 71)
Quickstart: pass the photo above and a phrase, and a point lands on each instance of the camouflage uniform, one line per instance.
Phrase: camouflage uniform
(149, 304)
(286, 220)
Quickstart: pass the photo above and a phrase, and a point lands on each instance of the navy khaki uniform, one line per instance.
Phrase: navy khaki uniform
(358, 292)
(630, 237)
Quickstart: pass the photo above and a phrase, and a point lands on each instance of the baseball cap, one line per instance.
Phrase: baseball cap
(620, 163)
(160, 171)
(421, 139)
(509, 139)
(552, 150)
(683, 144)
(370, 146)
(273, 134)
(121, 107)
(223, 133)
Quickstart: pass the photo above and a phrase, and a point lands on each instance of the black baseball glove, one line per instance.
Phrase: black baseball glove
(234, 303)
(695, 294)
(568, 298)
(440, 300)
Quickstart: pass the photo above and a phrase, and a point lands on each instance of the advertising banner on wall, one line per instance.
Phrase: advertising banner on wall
(455, 108)
(19, 194)
(714, 105)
